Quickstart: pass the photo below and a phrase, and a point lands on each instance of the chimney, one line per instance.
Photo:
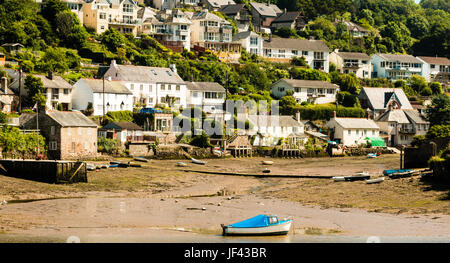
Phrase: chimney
(297, 116)
(336, 50)
(334, 114)
(268, 2)
(113, 62)
(3, 84)
(173, 67)
(50, 75)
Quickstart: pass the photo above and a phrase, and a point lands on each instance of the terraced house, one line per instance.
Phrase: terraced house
(315, 52)
(209, 31)
(312, 91)
(352, 62)
(436, 69)
(101, 15)
(395, 67)
(150, 85)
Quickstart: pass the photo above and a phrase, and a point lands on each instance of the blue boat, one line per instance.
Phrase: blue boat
(113, 165)
(389, 172)
(261, 225)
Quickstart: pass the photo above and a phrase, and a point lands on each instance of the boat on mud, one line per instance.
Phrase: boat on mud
(260, 225)
(141, 159)
(181, 164)
(267, 162)
(375, 180)
(198, 161)
(358, 177)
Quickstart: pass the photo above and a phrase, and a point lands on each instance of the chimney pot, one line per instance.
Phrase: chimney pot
(113, 62)
(334, 114)
(50, 75)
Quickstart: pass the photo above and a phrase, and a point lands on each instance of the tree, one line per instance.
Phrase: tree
(113, 39)
(396, 36)
(35, 89)
(349, 83)
(418, 25)
(438, 113)
(417, 83)
(436, 88)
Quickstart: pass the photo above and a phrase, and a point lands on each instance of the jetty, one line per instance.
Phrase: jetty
(46, 171)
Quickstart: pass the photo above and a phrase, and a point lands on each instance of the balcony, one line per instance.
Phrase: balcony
(407, 130)
(123, 21)
(351, 65)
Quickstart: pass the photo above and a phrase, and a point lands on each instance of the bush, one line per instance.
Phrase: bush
(3, 118)
(201, 141)
(107, 145)
(438, 131)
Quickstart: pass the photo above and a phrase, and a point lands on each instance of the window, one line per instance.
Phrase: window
(357, 132)
(253, 41)
(168, 73)
(305, 53)
(86, 146)
(349, 132)
(295, 52)
(177, 88)
(79, 130)
(127, 8)
(52, 130)
(163, 87)
(154, 72)
(53, 145)
(142, 87)
(330, 91)
(69, 131)
(432, 66)
(318, 55)
(382, 64)
(132, 86)
(102, 16)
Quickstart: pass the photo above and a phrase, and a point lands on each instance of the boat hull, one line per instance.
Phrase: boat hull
(279, 229)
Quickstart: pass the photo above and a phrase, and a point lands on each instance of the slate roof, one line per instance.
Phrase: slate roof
(114, 86)
(377, 97)
(298, 44)
(205, 86)
(399, 58)
(264, 10)
(416, 117)
(274, 121)
(302, 83)
(286, 17)
(56, 82)
(244, 35)
(356, 123)
(353, 55)
(123, 126)
(436, 60)
(147, 74)
(396, 115)
(219, 3)
(71, 119)
(231, 9)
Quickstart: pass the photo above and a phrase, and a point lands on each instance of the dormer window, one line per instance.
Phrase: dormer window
(154, 72)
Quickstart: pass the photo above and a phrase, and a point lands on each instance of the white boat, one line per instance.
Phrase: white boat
(338, 178)
(181, 164)
(267, 162)
(90, 167)
(198, 161)
(372, 155)
(374, 181)
(262, 225)
(363, 174)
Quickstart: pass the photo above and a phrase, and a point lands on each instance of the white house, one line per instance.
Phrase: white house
(378, 100)
(215, 5)
(58, 91)
(352, 131)
(395, 67)
(269, 129)
(151, 85)
(400, 126)
(250, 41)
(436, 69)
(352, 62)
(315, 52)
(313, 91)
(90, 91)
(208, 95)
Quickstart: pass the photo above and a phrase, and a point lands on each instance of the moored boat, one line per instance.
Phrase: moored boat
(181, 164)
(198, 161)
(375, 180)
(113, 165)
(389, 172)
(262, 225)
(140, 159)
(267, 162)
(372, 155)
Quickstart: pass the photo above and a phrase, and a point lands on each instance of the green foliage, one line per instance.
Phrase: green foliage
(438, 113)
(417, 83)
(119, 116)
(3, 117)
(35, 90)
(347, 99)
(436, 88)
(201, 141)
(309, 74)
(418, 140)
(438, 131)
(12, 140)
(107, 145)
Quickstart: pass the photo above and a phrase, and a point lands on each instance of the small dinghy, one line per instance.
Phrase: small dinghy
(267, 162)
(124, 165)
(135, 165)
(266, 171)
(351, 178)
(113, 165)
(375, 180)
(140, 159)
(181, 164)
(104, 166)
(114, 162)
(372, 155)
(90, 167)
(198, 161)
(262, 225)
(338, 178)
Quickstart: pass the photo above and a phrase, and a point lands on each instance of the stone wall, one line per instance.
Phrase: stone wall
(417, 157)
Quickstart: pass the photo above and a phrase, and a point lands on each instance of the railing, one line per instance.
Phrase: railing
(407, 130)
(123, 21)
